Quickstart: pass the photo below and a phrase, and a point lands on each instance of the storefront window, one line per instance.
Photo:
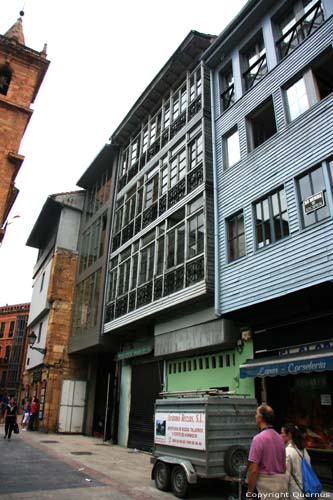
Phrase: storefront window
(305, 400)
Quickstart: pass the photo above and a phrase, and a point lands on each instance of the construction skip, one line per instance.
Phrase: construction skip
(201, 435)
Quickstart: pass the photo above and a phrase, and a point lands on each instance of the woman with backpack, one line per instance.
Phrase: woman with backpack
(295, 452)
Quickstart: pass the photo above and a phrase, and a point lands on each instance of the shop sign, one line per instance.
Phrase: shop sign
(182, 430)
(314, 202)
(133, 353)
(293, 366)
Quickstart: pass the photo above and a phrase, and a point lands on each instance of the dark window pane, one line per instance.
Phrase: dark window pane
(180, 245)
(271, 218)
(236, 237)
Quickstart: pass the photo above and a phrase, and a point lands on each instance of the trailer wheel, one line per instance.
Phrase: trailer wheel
(179, 484)
(233, 458)
(162, 476)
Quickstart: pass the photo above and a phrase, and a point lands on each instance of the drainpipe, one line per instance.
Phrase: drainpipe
(216, 252)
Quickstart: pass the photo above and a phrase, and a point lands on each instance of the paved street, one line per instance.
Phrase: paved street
(64, 467)
(54, 466)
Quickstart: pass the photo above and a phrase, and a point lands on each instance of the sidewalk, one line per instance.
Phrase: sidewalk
(126, 471)
(123, 471)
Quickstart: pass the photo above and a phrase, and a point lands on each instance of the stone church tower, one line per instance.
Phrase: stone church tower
(21, 73)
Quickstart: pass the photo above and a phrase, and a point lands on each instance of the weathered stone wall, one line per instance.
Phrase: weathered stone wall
(58, 365)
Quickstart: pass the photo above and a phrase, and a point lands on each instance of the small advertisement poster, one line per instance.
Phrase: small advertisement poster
(325, 399)
(42, 401)
(183, 430)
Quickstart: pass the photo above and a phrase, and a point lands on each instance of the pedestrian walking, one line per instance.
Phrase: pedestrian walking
(267, 458)
(26, 414)
(3, 406)
(33, 414)
(295, 451)
(10, 418)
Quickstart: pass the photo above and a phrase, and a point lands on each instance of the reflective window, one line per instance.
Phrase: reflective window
(271, 218)
(297, 97)
(196, 235)
(313, 209)
(231, 148)
(227, 88)
(236, 237)
(195, 152)
(255, 62)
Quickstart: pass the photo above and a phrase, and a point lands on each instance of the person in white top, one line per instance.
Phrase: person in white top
(295, 451)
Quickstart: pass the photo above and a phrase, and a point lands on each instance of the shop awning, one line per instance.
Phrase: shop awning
(288, 365)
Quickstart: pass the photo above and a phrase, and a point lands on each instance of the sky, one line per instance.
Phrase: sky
(103, 54)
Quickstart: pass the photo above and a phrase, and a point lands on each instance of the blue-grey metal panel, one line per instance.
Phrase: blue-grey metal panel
(306, 256)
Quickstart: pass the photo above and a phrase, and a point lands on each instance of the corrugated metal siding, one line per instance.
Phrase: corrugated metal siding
(289, 265)
(299, 146)
(306, 256)
(303, 259)
(279, 76)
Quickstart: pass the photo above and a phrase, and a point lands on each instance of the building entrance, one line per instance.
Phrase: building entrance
(146, 384)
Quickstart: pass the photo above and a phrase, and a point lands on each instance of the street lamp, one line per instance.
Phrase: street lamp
(32, 337)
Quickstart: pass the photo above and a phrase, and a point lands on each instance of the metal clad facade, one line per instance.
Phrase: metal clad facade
(305, 257)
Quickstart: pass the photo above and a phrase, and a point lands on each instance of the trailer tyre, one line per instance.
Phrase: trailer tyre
(162, 476)
(179, 484)
(233, 458)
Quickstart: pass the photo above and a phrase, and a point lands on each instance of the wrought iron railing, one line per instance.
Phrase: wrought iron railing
(121, 306)
(195, 271)
(195, 178)
(158, 288)
(255, 72)
(309, 23)
(228, 97)
(149, 215)
(144, 294)
(174, 280)
(176, 193)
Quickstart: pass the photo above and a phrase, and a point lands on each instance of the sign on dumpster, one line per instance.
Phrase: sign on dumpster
(183, 430)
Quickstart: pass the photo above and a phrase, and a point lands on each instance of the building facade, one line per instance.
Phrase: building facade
(86, 341)
(159, 303)
(21, 73)
(13, 333)
(49, 373)
(272, 107)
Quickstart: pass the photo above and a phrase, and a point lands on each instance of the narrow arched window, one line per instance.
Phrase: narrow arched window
(5, 77)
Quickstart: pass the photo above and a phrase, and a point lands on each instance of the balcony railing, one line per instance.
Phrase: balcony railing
(309, 23)
(255, 72)
(228, 97)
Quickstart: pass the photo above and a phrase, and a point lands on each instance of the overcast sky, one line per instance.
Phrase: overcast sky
(103, 55)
